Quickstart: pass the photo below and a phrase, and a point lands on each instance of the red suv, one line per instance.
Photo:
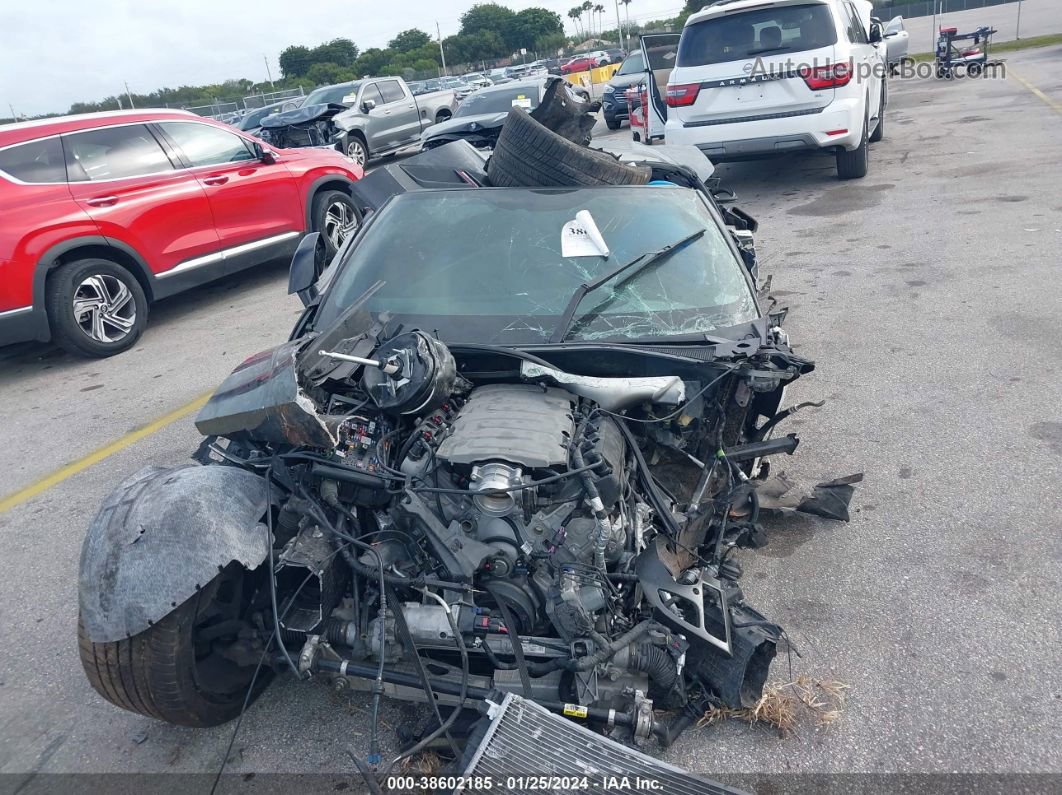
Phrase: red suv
(103, 213)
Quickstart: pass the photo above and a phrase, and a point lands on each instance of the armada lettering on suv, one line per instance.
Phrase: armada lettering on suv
(753, 79)
(104, 213)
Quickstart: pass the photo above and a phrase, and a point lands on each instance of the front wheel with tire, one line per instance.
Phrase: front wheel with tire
(879, 130)
(337, 218)
(853, 165)
(96, 307)
(181, 669)
(613, 124)
(356, 149)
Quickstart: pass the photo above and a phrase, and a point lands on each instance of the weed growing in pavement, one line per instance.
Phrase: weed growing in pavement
(788, 706)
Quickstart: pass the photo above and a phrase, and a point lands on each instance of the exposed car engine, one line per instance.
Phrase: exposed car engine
(307, 126)
(449, 515)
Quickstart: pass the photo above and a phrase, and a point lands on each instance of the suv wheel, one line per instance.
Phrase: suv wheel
(96, 308)
(879, 131)
(853, 165)
(336, 218)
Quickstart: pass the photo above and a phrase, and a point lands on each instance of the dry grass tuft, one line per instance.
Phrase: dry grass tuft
(426, 763)
(786, 706)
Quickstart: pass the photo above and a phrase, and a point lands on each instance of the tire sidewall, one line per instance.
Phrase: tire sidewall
(321, 202)
(67, 333)
(879, 131)
(355, 141)
(859, 153)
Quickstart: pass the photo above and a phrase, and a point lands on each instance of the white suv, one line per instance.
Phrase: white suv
(755, 78)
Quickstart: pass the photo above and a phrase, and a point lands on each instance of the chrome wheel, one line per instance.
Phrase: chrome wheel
(355, 151)
(104, 308)
(339, 222)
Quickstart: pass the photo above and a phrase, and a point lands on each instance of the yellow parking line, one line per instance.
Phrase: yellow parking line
(71, 469)
(1051, 103)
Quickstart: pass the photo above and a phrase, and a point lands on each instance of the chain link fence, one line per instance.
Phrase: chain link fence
(212, 110)
(926, 8)
(271, 97)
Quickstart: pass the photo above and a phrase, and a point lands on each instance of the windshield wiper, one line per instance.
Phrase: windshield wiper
(762, 50)
(643, 261)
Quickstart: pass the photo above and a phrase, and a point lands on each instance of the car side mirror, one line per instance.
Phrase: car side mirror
(302, 276)
(875, 32)
(368, 105)
(262, 154)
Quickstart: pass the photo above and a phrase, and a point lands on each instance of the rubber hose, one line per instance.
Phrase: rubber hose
(603, 532)
(657, 663)
(610, 651)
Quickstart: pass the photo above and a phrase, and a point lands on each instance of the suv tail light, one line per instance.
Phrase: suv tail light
(680, 96)
(832, 75)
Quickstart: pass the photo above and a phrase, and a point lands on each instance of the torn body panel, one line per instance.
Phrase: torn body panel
(263, 400)
(162, 535)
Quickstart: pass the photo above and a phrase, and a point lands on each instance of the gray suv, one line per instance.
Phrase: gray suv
(613, 98)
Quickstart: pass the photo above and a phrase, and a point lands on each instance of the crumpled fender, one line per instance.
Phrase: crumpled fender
(159, 537)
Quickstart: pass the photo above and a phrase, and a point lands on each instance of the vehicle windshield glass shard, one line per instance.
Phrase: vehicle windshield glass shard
(503, 278)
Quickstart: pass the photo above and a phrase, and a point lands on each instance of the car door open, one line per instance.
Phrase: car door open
(659, 50)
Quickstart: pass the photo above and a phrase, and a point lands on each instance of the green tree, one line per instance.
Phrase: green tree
(492, 18)
(532, 24)
(575, 15)
(372, 61)
(295, 60)
(407, 40)
(550, 43)
(338, 51)
(326, 73)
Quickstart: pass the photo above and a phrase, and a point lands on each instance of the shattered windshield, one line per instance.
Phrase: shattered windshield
(485, 265)
(499, 101)
(331, 95)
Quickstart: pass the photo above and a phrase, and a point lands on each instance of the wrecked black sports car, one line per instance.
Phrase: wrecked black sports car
(512, 462)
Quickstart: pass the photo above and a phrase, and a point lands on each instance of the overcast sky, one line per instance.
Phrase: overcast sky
(56, 52)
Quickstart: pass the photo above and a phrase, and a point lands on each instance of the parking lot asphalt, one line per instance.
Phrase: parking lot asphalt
(927, 294)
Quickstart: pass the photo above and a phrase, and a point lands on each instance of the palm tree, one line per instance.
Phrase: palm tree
(575, 14)
(600, 11)
(587, 6)
(627, 27)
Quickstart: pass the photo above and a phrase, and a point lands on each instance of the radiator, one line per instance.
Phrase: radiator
(529, 749)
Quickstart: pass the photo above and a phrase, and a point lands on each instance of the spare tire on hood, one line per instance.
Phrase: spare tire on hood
(529, 155)
(548, 147)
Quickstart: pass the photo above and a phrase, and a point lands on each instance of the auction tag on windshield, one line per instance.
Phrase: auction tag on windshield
(349, 99)
(522, 102)
(580, 237)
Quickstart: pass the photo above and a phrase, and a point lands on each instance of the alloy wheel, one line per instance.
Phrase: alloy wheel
(355, 151)
(104, 308)
(339, 222)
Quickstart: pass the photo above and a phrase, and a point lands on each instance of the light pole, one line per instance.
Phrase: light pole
(442, 54)
(1017, 27)
(268, 73)
(619, 28)
(129, 94)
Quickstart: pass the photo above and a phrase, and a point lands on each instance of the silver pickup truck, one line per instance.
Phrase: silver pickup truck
(384, 116)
